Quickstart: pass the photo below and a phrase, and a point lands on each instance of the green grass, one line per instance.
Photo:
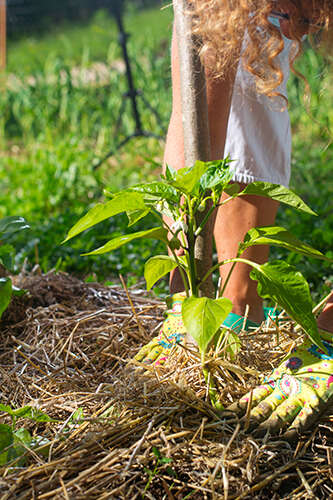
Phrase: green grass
(95, 40)
(53, 131)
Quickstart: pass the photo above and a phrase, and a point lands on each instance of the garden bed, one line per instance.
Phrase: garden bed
(121, 432)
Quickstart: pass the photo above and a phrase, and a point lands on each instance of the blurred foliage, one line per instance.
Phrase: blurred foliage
(56, 121)
(30, 16)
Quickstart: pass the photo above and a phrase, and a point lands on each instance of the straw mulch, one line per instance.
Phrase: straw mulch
(137, 434)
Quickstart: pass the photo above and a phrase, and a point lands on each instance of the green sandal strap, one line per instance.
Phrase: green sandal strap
(236, 323)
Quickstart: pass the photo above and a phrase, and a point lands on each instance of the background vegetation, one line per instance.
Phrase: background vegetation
(58, 116)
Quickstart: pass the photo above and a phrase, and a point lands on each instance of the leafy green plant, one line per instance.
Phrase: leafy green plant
(14, 442)
(182, 195)
(160, 461)
(8, 226)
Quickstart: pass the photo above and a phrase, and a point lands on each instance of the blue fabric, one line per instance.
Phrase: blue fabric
(275, 21)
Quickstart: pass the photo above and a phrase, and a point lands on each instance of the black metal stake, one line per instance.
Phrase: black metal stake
(132, 93)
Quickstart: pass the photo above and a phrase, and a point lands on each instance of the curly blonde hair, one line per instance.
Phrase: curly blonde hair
(220, 25)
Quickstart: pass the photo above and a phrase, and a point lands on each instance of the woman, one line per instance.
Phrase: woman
(247, 50)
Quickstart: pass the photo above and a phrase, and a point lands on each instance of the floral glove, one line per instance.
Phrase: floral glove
(296, 392)
(172, 333)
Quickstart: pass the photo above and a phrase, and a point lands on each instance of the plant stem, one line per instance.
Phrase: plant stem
(228, 278)
(227, 261)
(192, 275)
(191, 261)
(181, 270)
(212, 269)
(215, 402)
(175, 256)
(204, 221)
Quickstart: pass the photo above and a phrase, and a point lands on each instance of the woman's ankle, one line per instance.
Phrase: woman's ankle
(325, 319)
(253, 309)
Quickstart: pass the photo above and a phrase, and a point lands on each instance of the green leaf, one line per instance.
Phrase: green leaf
(122, 202)
(7, 253)
(157, 233)
(6, 436)
(156, 452)
(157, 267)
(26, 412)
(187, 178)
(22, 435)
(170, 173)
(6, 409)
(287, 287)
(218, 173)
(32, 413)
(77, 416)
(278, 236)
(5, 293)
(203, 317)
(6, 440)
(278, 193)
(154, 191)
(232, 189)
(18, 292)
(135, 215)
(12, 224)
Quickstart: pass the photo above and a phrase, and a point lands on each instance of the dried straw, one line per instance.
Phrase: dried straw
(144, 434)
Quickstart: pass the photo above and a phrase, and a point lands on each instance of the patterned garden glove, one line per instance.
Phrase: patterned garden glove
(172, 332)
(295, 394)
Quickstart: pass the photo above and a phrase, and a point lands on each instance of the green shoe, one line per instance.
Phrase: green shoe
(237, 323)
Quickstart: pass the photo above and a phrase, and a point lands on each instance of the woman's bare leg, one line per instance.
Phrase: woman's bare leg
(325, 319)
(233, 220)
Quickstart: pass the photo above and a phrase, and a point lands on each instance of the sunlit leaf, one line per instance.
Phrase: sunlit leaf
(6, 440)
(157, 233)
(203, 317)
(278, 193)
(22, 435)
(218, 173)
(278, 236)
(170, 173)
(187, 178)
(135, 215)
(5, 294)
(123, 202)
(287, 287)
(5, 408)
(157, 267)
(157, 191)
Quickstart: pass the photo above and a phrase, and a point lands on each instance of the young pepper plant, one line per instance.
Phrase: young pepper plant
(180, 195)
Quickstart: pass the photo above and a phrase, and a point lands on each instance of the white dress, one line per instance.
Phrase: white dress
(259, 136)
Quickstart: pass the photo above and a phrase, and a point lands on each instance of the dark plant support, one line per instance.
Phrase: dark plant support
(132, 93)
